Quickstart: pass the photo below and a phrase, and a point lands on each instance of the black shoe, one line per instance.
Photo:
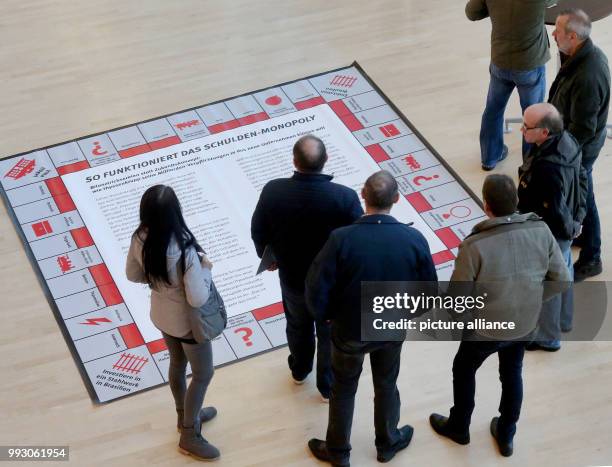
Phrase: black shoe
(440, 425)
(585, 270)
(505, 448)
(318, 447)
(385, 455)
(537, 346)
(297, 377)
(504, 154)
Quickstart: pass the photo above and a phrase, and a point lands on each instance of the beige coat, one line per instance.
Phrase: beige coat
(171, 304)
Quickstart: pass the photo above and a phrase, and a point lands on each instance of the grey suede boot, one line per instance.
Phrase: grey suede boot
(192, 444)
(206, 414)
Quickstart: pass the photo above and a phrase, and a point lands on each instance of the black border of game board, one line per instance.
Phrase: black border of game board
(41, 280)
(418, 133)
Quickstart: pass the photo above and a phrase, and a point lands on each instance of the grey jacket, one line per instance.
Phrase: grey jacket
(518, 37)
(171, 304)
(511, 257)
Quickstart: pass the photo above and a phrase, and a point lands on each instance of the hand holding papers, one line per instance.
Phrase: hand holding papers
(268, 261)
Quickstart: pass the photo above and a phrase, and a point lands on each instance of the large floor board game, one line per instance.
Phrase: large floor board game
(75, 206)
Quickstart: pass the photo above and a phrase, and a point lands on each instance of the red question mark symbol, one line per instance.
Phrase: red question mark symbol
(248, 332)
(417, 180)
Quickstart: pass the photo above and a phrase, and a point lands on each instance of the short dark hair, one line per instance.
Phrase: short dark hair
(578, 21)
(499, 192)
(552, 121)
(380, 190)
(307, 159)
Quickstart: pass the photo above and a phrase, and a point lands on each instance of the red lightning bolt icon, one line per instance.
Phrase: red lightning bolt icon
(96, 321)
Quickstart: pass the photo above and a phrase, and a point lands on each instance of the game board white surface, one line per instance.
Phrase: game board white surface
(76, 206)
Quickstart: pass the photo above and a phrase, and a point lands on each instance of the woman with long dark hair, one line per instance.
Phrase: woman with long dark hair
(165, 254)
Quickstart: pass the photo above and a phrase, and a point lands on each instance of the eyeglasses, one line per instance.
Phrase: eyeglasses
(526, 128)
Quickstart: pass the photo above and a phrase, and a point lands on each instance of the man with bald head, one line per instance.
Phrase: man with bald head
(294, 216)
(581, 92)
(553, 184)
(376, 247)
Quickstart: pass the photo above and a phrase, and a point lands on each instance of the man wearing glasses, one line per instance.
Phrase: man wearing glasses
(553, 184)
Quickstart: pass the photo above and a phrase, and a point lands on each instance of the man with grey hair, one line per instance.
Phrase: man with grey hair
(581, 92)
(376, 247)
(553, 184)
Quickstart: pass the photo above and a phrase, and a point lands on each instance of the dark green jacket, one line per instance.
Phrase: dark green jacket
(518, 38)
(581, 92)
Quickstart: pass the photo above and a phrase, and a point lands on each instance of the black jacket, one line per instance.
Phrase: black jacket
(295, 216)
(581, 92)
(374, 248)
(553, 184)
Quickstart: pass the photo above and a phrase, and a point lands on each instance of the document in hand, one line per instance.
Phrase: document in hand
(267, 259)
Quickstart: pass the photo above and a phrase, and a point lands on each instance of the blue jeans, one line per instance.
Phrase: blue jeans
(301, 340)
(557, 312)
(591, 229)
(531, 86)
(469, 358)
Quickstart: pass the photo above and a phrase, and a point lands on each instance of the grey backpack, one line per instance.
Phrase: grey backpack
(209, 321)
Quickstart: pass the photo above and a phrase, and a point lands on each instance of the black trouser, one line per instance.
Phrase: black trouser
(470, 356)
(301, 340)
(385, 363)
(591, 228)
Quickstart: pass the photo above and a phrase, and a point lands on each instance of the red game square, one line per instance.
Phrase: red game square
(389, 130)
(42, 228)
